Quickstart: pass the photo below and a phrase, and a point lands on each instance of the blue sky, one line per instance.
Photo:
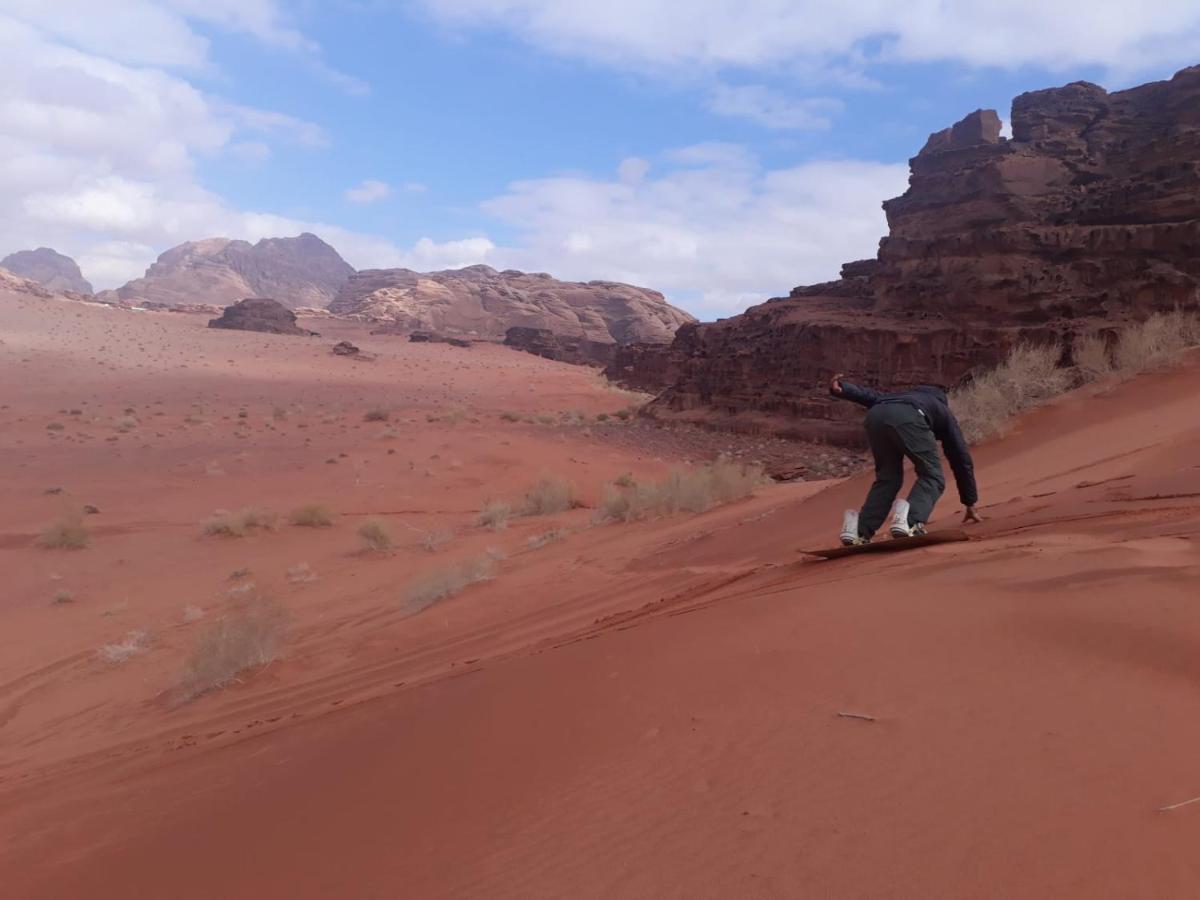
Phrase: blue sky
(719, 151)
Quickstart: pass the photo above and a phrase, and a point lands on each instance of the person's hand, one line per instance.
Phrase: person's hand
(835, 385)
(971, 515)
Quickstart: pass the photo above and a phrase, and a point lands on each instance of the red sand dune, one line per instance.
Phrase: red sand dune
(643, 710)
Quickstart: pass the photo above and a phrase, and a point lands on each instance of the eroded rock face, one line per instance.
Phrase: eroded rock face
(1089, 216)
(480, 302)
(577, 350)
(48, 268)
(260, 314)
(301, 271)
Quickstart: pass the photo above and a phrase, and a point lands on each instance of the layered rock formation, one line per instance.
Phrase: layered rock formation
(49, 268)
(577, 350)
(260, 314)
(15, 284)
(1088, 216)
(300, 271)
(480, 302)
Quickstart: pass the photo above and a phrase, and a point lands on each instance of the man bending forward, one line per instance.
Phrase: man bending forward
(908, 423)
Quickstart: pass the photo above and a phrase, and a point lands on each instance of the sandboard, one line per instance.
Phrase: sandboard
(884, 544)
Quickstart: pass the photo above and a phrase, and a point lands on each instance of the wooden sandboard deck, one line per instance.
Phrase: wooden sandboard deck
(892, 545)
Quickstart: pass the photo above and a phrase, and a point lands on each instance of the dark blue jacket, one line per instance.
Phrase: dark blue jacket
(931, 401)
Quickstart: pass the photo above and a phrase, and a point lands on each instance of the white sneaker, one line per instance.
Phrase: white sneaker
(899, 527)
(850, 535)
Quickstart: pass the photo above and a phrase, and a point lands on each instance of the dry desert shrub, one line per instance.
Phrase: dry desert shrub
(691, 491)
(66, 534)
(238, 523)
(446, 582)
(246, 637)
(1028, 377)
(494, 515)
(510, 417)
(376, 415)
(1156, 341)
(435, 540)
(131, 645)
(1092, 357)
(63, 596)
(311, 515)
(375, 536)
(549, 496)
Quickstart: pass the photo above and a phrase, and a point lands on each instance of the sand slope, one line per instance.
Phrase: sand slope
(638, 711)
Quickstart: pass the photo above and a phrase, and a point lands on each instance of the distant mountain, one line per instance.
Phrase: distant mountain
(296, 271)
(481, 302)
(48, 268)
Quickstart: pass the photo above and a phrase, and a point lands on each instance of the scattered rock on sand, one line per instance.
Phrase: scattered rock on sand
(345, 348)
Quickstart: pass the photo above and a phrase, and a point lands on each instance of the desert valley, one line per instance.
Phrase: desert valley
(476, 582)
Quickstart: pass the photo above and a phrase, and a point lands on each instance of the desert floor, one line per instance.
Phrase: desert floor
(630, 710)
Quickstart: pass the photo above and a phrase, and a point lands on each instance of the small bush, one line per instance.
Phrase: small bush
(625, 480)
(376, 415)
(301, 573)
(549, 496)
(375, 536)
(435, 540)
(131, 645)
(1029, 377)
(238, 523)
(447, 582)
(692, 491)
(313, 515)
(510, 417)
(1156, 341)
(494, 515)
(63, 597)
(66, 534)
(246, 637)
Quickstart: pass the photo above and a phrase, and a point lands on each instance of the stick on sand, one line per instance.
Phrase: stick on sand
(1177, 805)
(866, 718)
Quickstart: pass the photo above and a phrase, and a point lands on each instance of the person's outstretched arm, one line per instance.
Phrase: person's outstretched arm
(963, 467)
(853, 392)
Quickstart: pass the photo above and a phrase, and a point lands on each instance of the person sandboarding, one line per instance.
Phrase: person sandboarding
(908, 423)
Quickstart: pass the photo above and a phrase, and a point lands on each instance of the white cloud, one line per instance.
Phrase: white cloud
(715, 34)
(370, 191)
(161, 33)
(772, 109)
(714, 230)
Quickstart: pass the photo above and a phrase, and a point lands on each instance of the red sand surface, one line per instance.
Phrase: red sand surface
(645, 710)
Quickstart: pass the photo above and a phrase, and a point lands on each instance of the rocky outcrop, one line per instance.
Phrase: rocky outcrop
(546, 343)
(301, 271)
(15, 284)
(482, 303)
(260, 314)
(345, 348)
(1089, 216)
(49, 268)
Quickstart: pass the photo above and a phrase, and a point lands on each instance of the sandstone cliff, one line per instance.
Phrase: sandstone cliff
(300, 271)
(48, 268)
(480, 302)
(1089, 215)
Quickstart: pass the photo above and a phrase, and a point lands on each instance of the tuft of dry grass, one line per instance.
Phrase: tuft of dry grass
(1156, 341)
(311, 515)
(435, 540)
(1028, 377)
(448, 581)
(550, 495)
(375, 536)
(131, 645)
(66, 534)
(238, 523)
(376, 415)
(63, 596)
(494, 515)
(691, 491)
(248, 636)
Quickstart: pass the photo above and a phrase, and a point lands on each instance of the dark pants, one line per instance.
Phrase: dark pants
(897, 430)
